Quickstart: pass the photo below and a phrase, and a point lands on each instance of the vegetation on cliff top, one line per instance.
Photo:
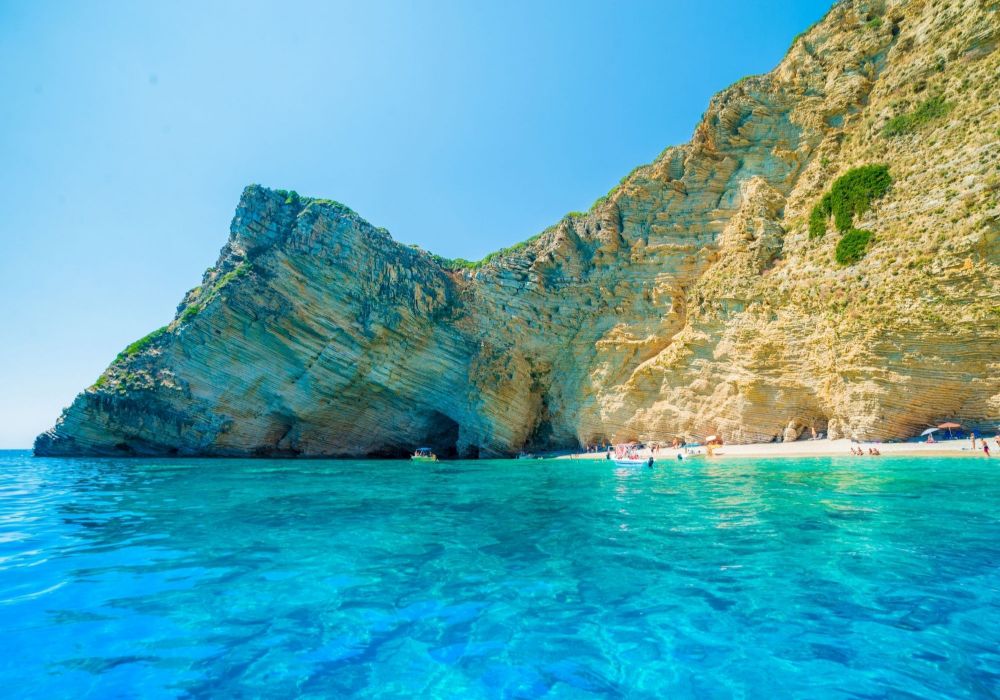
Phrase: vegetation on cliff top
(291, 196)
(463, 264)
(605, 197)
(196, 306)
(141, 344)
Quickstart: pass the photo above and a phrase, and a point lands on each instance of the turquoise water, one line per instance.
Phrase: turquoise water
(864, 577)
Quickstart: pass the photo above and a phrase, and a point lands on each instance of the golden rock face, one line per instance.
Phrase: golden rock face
(691, 301)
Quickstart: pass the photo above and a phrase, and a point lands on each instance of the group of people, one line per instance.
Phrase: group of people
(859, 451)
(654, 447)
(984, 443)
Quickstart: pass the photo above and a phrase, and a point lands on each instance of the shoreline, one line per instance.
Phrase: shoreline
(824, 448)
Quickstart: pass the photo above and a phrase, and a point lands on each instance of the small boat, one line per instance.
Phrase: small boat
(627, 455)
(526, 455)
(627, 462)
(423, 454)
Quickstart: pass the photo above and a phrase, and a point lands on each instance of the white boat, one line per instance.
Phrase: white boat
(423, 454)
(631, 462)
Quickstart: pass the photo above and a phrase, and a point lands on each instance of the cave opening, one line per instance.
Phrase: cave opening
(441, 435)
(471, 452)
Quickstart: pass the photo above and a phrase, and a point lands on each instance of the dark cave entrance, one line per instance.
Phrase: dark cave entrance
(441, 435)
(471, 452)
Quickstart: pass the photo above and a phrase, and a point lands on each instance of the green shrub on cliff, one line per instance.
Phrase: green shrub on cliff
(239, 271)
(851, 195)
(817, 222)
(291, 196)
(853, 246)
(200, 300)
(605, 197)
(463, 264)
(141, 344)
(927, 111)
(456, 263)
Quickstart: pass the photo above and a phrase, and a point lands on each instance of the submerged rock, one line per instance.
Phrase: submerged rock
(691, 300)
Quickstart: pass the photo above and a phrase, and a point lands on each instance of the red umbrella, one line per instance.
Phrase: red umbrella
(949, 426)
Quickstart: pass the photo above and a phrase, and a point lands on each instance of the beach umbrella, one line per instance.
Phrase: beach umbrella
(949, 426)
(928, 431)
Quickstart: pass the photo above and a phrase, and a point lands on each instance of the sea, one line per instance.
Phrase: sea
(822, 577)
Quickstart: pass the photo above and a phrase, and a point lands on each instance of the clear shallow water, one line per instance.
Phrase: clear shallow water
(874, 578)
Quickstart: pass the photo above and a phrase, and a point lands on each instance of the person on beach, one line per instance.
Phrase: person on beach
(986, 447)
(973, 439)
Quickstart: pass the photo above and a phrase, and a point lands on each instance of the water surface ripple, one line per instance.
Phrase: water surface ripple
(818, 578)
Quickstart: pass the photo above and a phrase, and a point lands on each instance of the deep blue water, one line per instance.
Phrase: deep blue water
(862, 578)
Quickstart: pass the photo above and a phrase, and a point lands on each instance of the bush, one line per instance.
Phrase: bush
(239, 271)
(141, 344)
(853, 246)
(851, 194)
(291, 197)
(455, 263)
(927, 111)
(817, 221)
(202, 300)
(605, 197)
(463, 264)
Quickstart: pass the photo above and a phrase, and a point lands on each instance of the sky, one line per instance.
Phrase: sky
(129, 129)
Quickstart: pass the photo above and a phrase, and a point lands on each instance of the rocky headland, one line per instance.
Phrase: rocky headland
(822, 255)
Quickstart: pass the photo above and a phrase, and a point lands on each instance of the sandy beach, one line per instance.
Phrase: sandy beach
(816, 448)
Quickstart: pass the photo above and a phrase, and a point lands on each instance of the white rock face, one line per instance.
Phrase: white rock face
(690, 301)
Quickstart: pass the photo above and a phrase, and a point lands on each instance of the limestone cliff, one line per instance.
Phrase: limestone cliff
(690, 300)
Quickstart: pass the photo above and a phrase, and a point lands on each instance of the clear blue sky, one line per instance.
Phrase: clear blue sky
(129, 129)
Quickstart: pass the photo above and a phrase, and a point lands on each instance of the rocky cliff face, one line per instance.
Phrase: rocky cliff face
(691, 300)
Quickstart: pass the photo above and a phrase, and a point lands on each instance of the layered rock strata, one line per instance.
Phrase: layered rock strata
(691, 300)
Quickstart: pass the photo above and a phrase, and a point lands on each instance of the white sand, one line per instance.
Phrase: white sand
(804, 448)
